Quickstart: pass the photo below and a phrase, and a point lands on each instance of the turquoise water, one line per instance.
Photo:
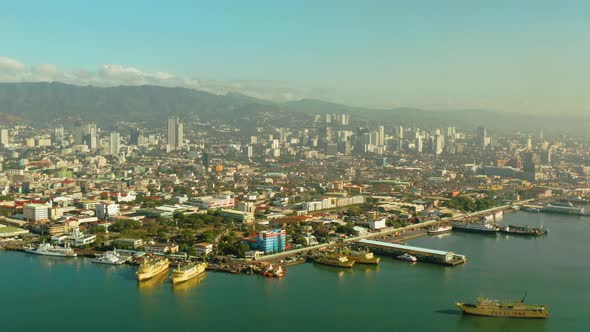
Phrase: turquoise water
(54, 294)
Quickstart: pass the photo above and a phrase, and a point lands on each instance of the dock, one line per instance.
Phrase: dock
(422, 254)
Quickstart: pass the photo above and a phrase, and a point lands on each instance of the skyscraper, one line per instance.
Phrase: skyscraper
(381, 138)
(114, 144)
(3, 137)
(175, 134)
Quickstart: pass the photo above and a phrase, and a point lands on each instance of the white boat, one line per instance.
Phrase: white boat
(441, 229)
(47, 249)
(110, 257)
(407, 257)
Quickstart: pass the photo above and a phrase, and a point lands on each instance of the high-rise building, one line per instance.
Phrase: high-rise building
(247, 151)
(175, 134)
(439, 144)
(400, 132)
(344, 119)
(419, 145)
(268, 241)
(381, 138)
(58, 135)
(136, 137)
(282, 135)
(114, 145)
(3, 137)
(482, 137)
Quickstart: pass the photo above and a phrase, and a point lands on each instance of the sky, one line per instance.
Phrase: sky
(526, 56)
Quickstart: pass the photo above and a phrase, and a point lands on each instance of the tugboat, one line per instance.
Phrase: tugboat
(47, 249)
(151, 267)
(362, 257)
(187, 272)
(334, 260)
(513, 309)
(275, 271)
(109, 257)
(407, 257)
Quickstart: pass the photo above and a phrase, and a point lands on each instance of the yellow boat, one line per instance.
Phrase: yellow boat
(363, 257)
(334, 260)
(187, 272)
(513, 309)
(151, 267)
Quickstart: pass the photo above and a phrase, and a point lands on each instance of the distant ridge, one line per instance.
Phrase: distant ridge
(42, 103)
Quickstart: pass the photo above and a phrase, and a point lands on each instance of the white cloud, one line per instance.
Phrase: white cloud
(12, 70)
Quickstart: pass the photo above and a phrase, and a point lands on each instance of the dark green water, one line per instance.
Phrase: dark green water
(54, 294)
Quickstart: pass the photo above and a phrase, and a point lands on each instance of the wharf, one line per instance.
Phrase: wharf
(423, 254)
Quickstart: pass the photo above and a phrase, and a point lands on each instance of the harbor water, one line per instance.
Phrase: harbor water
(41, 293)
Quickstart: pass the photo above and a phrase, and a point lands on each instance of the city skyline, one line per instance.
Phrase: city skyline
(524, 58)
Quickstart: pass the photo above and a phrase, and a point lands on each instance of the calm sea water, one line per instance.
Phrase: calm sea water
(53, 294)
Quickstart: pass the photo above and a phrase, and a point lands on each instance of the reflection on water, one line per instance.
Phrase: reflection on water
(147, 286)
(186, 287)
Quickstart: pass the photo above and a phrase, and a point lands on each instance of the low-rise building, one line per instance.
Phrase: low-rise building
(241, 216)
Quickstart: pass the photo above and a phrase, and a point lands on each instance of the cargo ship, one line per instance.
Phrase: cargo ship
(47, 249)
(513, 309)
(362, 257)
(485, 228)
(334, 260)
(441, 229)
(187, 272)
(523, 230)
(151, 267)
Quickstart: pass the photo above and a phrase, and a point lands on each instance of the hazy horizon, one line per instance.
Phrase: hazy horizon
(527, 57)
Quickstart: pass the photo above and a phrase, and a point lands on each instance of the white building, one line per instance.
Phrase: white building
(75, 238)
(213, 202)
(377, 224)
(35, 212)
(104, 210)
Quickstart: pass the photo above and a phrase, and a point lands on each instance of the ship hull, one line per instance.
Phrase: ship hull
(178, 278)
(443, 231)
(53, 254)
(475, 230)
(141, 276)
(364, 260)
(501, 312)
(348, 264)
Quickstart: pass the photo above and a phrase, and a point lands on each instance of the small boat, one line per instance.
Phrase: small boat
(109, 257)
(407, 257)
(441, 229)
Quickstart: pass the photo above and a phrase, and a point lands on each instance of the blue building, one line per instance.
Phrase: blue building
(268, 241)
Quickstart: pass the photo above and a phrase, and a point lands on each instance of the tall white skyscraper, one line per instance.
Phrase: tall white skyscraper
(175, 134)
(381, 138)
(3, 137)
(439, 144)
(114, 145)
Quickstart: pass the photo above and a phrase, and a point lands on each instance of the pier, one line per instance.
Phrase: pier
(422, 254)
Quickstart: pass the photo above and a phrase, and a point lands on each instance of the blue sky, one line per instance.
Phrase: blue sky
(521, 56)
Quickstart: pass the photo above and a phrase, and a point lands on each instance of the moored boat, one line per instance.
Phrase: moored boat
(151, 267)
(441, 229)
(362, 257)
(334, 260)
(485, 228)
(188, 271)
(47, 249)
(407, 257)
(110, 257)
(523, 230)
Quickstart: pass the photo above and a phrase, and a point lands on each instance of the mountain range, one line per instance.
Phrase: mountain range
(45, 103)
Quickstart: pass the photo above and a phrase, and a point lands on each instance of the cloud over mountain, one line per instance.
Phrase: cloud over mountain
(13, 70)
